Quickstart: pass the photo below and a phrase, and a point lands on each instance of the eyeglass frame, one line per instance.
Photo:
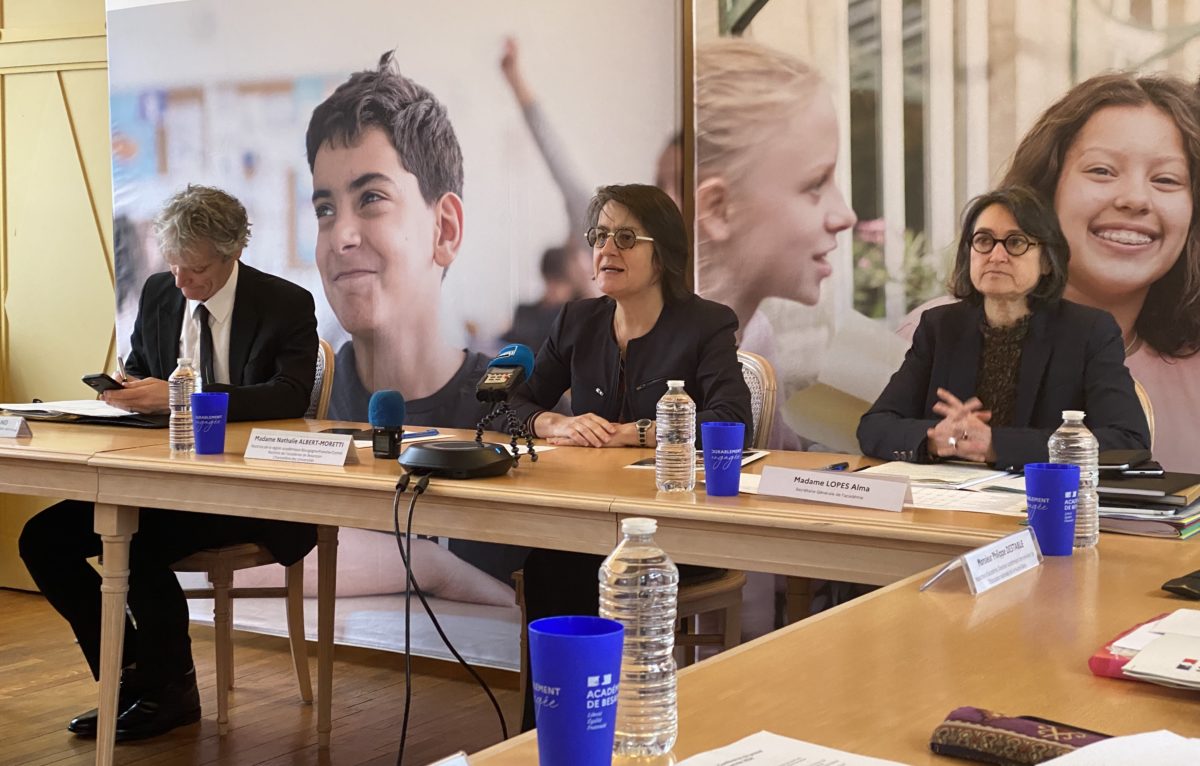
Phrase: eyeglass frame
(598, 237)
(1003, 242)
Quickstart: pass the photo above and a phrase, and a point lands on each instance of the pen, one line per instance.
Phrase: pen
(419, 434)
(835, 467)
(121, 367)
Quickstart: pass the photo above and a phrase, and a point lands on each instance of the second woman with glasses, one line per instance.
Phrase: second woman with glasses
(987, 379)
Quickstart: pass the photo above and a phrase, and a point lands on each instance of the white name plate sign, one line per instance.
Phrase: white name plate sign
(458, 759)
(13, 426)
(875, 491)
(989, 565)
(301, 447)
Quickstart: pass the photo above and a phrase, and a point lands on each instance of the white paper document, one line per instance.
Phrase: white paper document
(1161, 748)
(1002, 503)
(767, 749)
(1139, 639)
(1169, 660)
(944, 475)
(1181, 622)
(94, 408)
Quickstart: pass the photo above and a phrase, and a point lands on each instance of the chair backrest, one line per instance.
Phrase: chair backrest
(318, 403)
(1147, 407)
(760, 379)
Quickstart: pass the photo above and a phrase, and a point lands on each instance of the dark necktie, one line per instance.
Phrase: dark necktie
(207, 375)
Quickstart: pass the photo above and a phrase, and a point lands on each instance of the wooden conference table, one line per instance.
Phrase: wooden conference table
(571, 499)
(876, 675)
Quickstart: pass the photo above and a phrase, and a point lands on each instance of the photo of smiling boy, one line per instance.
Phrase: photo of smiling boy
(387, 173)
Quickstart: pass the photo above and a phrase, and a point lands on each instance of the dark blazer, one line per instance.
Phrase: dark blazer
(1073, 359)
(693, 341)
(272, 366)
(272, 343)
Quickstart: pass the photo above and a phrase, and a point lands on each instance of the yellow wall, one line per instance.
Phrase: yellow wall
(56, 270)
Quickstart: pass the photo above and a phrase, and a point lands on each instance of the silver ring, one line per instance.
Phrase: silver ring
(952, 442)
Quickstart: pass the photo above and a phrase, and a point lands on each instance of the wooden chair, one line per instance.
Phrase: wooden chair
(1147, 407)
(219, 564)
(759, 375)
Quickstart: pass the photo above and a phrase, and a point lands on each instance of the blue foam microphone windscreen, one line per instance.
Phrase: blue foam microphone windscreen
(386, 413)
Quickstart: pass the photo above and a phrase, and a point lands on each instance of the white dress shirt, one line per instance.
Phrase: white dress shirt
(220, 319)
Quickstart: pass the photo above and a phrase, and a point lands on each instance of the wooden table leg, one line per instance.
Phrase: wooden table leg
(327, 541)
(115, 524)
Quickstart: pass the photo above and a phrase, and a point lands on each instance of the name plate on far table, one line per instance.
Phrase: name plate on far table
(878, 492)
(301, 447)
(12, 426)
(989, 565)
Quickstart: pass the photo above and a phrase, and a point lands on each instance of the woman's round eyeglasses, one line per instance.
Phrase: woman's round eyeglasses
(625, 238)
(1015, 244)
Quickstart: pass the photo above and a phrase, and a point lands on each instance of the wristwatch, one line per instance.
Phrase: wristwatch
(643, 426)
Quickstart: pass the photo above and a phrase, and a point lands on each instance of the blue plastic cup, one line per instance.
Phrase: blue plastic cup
(722, 457)
(209, 411)
(575, 667)
(1052, 494)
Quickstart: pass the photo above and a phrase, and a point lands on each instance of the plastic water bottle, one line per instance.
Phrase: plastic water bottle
(1073, 443)
(639, 586)
(675, 452)
(180, 385)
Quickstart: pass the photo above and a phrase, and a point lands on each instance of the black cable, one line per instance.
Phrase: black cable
(413, 586)
(406, 542)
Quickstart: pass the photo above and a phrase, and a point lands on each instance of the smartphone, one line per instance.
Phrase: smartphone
(1148, 468)
(101, 383)
(1122, 459)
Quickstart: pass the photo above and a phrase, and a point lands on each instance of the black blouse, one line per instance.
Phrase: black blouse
(693, 340)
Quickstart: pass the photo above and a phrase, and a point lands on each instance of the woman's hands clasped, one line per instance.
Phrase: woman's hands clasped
(963, 432)
(586, 430)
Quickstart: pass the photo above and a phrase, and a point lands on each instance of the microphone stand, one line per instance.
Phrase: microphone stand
(514, 427)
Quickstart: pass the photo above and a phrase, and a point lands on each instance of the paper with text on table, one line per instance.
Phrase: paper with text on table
(942, 475)
(768, 749)
(95, 408)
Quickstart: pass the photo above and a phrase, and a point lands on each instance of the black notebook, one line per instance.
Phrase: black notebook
(1170, 488)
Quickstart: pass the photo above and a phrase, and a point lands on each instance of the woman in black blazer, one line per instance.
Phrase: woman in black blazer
(987, 378)
(615, 354)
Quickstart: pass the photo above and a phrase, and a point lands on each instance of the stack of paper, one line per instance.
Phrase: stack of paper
(941, 486)
(941, 475)
(1169, 651)
(92, 408)
(1151, 520)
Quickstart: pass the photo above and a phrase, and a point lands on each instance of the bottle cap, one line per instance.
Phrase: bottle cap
(674, 384)
(638, 526)
(1073, 415)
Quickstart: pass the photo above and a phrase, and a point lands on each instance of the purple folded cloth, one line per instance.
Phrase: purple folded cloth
(981, 735)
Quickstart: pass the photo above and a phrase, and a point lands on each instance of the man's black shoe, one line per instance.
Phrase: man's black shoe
(84, 724)
(161, 709)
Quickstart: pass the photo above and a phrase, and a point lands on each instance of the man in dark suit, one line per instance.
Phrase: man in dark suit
(255, 336)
